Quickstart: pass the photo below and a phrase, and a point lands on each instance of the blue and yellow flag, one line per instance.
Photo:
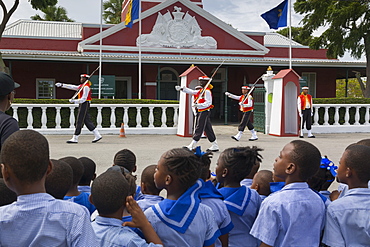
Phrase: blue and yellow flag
(132, 13)
(277, 17)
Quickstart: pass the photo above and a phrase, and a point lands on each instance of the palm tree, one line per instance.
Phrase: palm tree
(53, 13)
(112, 11)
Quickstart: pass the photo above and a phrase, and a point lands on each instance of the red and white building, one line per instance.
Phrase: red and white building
(175, 34)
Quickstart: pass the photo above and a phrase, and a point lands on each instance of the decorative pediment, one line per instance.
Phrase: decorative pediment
(176, 25)
(180, 31)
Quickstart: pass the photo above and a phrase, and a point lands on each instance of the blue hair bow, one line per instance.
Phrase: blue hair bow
(198, 152)
(329, 165)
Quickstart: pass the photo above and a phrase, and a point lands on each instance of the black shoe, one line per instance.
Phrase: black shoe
(210, 150)
(301, 137)
(253, 139)
(71, 142)
(311, 137)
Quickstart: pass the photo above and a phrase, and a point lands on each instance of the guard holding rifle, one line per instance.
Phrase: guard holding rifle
(83, 99)
(246, 106)
(203, 105)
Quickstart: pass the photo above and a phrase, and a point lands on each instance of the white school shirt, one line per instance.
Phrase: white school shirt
(239, 236)
(148, 200)
(201, 231)
(348, 220)
(41, 220)
(110, 232)
(247, 182)
(222, 216)
(293, 216)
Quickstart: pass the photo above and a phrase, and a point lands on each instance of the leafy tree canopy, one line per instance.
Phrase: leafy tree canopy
(296, 31)
(112, 11)
(347, 24)
(42, 4)
(53, 13)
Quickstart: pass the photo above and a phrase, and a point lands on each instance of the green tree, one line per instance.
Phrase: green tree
(53, 13)
(348, 25)
(353, 88)
(36, 4)
(296, 31)
(112, 11)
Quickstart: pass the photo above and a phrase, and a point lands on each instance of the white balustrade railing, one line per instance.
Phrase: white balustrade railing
(327, 118)
(346, 118)
(113, 127)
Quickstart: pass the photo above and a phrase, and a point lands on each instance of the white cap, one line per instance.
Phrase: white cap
(85, 75)
(204, 78)
(303, 88)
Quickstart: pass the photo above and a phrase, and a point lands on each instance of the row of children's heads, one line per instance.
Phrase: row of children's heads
(25, 156)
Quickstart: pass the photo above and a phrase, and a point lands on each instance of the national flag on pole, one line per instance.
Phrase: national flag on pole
(132, 13)
(277, 17)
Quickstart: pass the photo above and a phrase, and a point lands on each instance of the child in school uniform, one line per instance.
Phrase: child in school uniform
(243, 203)
(210, 196)
(110, 194)
(261, 183)
(294, 215)
(37, 218)
(248, 180)
(88, 176)
(348, 217)
(126, 158)
(181, 220)
(73, 194)
(150, 193)
(59, 180)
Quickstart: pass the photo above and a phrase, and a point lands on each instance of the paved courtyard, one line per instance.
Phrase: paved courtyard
(149, 148)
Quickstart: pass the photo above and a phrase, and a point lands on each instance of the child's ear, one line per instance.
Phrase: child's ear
(134, 170)
(91, 199)
(255, 186)
(93, 177)
(168, 180)
(5, 172)
(142, 187)
(225, 172)
(348, 172)
(50, 167)
(291, 168)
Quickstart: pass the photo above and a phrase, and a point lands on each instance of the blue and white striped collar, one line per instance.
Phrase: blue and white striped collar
(178, 214)
(236, 199)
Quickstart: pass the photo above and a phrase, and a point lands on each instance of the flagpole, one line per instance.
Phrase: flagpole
(139, 96)
(100, 46)
(290, 33)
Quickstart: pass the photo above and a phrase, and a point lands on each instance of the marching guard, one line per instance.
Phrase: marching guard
(203, 106)
(305, 111)
(83, 99)
(246, 105)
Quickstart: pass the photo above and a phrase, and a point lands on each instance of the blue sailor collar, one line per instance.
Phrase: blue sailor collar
(236, 199)
(208, 190)
(178, 214)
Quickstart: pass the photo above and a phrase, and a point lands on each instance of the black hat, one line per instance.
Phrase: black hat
(7, 85)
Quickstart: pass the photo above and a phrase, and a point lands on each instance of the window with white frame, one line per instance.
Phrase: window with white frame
(45, 88)
(310, 80)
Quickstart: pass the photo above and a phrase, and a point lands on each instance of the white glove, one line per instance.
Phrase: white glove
(178, 88)
(227, 94)
(58, 84)
(72, 101)
(300, 114)
(311, 113)
(241, 103)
